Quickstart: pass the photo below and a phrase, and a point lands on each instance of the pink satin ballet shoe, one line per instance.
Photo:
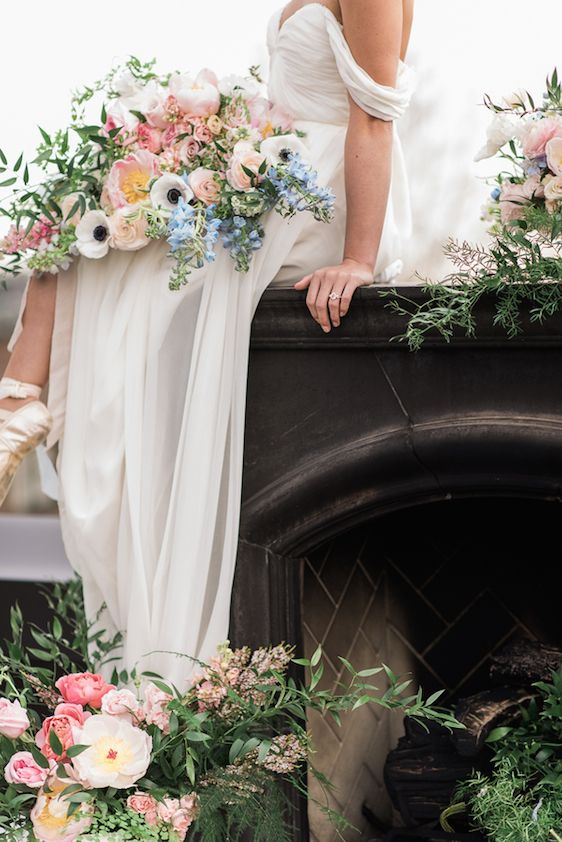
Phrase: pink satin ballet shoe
(21, 430)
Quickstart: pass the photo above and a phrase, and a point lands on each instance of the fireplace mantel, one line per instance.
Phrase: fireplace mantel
(345, 427)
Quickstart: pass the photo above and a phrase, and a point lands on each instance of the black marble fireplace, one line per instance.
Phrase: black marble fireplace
(435, 473)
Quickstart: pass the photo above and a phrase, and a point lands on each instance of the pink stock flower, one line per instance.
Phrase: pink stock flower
(13, 719)
(538, 133)
(83, 688)
(128, 179)
(149, 138)
(23, 769)
(156, 708)
(209, 695)
(66, 717)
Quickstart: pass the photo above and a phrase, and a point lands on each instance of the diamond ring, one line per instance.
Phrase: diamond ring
(334, 295)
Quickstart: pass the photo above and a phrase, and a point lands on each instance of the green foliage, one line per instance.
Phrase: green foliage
(519, 269)
(521, 801)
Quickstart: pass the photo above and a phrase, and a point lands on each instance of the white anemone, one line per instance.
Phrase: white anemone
(118, 753)
(92, 234)
(168, 190)
(274, 149)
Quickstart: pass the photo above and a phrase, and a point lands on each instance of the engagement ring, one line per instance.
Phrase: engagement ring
(334, 295)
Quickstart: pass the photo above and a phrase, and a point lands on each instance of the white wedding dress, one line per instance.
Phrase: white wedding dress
(148, 386)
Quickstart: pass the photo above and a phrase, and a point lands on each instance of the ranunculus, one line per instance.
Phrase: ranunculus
(23, 769)
(50, 819)
(83, 688)
(122, 703)
(66, 206)
(92, 237)
(204, 184)
(502, 128)
(553, 188)
(214, 124)
(537, 134)
(13, 719)
(150, 138)
(554, 155)
(187, 149)
(118, 753)
(156, 707)
(197, 97)
(66, 717)
(141, 802)
(168, 190)
(275, 149)
(128, 232)
(128, 179)
(244, 157)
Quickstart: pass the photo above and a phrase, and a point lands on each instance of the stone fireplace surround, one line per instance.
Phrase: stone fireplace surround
(350, 437)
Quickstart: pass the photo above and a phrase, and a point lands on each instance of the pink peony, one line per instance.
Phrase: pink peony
(197, 97)
(13, 719)
(141, 802)
(538, 133)
(128, 179)
(149, 138)
(244, 157)
(204, 185)
(51, 820)
(65, 718)
(84, 688)
(155, 706)
(23, 769)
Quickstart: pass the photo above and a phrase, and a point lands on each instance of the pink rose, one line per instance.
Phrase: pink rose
(203, 134)
(197, 97)
(155, 706)
(83, 688)
(188, 149)
(65, 718)
(203, 183)
(538, 133)
(141, 802)
(13, 719)
(22, 769)
(185, 816)
(149, 138)
(244, 157)
(128, 233)
(514, 198)
(122, 703)
(128, 180)
(554, 155)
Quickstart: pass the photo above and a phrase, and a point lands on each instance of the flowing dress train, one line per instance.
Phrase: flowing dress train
(148, 386)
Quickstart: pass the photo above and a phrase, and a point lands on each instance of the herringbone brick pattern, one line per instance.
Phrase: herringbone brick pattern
(433, 590)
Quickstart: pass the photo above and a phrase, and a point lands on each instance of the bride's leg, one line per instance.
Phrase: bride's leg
(29, 361)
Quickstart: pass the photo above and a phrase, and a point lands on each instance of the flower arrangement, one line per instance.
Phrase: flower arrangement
(523, 264)
(136, 759)
(194, 160)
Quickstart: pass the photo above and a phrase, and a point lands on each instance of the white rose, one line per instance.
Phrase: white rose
(128, 232)
(118, 753)
(553, 188)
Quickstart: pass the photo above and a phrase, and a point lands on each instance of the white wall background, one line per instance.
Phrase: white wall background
(460, 48)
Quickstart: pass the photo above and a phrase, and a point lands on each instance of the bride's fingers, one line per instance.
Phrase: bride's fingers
(312, 295)
(303, 283)
(322, 306)
(347, 295)
(334, 303)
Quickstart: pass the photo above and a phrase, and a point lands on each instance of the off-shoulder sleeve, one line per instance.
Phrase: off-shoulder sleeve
(382, 101)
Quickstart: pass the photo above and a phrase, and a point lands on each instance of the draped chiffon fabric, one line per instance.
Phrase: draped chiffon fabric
(148, 386)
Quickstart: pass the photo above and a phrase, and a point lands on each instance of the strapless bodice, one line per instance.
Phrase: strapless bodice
(312, 70)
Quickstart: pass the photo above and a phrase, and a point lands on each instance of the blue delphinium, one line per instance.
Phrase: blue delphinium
(242, 236)
(297, 188)
(192, 234)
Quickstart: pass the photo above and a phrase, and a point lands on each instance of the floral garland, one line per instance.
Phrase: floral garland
(136, 759)
(193, 160)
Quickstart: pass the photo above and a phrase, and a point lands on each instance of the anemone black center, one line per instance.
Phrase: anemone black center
(100, 233)
(174, 195)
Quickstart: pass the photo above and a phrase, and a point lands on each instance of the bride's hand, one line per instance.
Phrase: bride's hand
(342, 280)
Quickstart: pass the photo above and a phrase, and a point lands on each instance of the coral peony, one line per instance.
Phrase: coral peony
(83, 688)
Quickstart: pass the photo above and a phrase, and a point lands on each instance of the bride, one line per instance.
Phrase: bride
(147, 387)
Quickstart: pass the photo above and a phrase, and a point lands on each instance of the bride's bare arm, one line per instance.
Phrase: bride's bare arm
(374, 32)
